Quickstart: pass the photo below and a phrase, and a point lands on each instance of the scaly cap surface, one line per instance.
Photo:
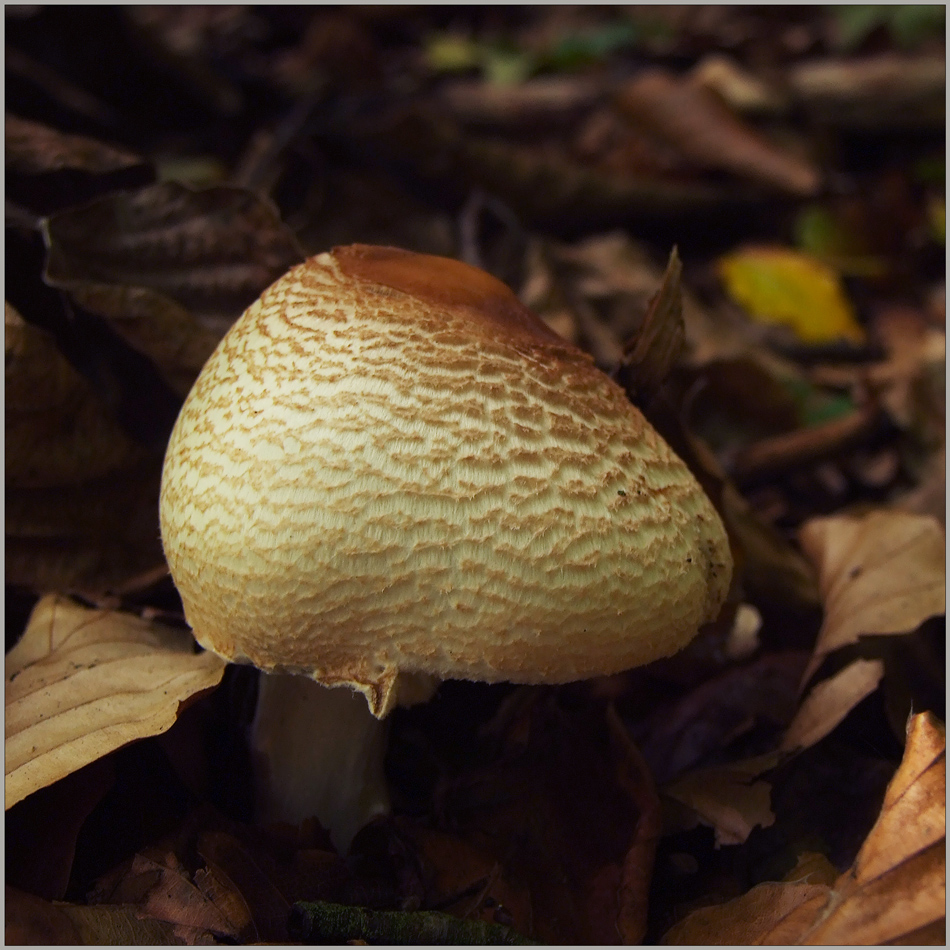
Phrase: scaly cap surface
(390, 466)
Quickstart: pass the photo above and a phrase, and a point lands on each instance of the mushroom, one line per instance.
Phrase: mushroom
(390, 473)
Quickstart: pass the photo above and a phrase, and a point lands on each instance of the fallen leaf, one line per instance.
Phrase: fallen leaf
(830, 701)
(81, 496)
(784, 287)
(53, 816)
(700, 125)
(47, 169)
(731, 799)
(881, 573)
(895, 892)
(32, 920)
(163, 890)
(81, 683)
(911, 382)
(56, 430)
(170, 267)
(654, 350)
(929, 497)
(679, 736)
(559, 828)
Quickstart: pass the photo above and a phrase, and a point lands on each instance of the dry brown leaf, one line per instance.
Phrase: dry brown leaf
(47, 169)
(169, 267)
(81, 497)
(830, 701)
(654, 350)
(911, 382)
(881, 573)
(56, 430)
(895, 891)
(81, 683)
(731, 799)
(701, 126)
(32, 920)
(163, 891)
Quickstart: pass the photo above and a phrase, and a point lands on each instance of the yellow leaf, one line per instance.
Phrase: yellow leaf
(779, 286)
(81, 683)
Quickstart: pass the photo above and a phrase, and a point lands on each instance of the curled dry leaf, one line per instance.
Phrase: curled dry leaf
(47, 169)
(654, 350)
(81, 683)
(169, 267)
(193, 907)
(700, 125)
(731, 799)
(882, 573)
(895, 892)
(830, 701)
(81, 498)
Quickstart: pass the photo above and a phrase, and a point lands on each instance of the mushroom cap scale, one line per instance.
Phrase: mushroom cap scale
(389, 468)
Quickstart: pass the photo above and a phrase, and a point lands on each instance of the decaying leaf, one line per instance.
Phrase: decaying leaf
(911, 382)
(560, 830)
(882, 573)
(653, 352)
(81, 683)
(830, 701)
(781, 286)
(171, 268)
(47, 169)
(699, 124)
(56, 431)
(34, 921)
(895, 892)
(195, 907)
(732, 799)
(81, 497)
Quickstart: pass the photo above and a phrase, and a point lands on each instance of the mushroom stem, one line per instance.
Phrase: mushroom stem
(317, 752)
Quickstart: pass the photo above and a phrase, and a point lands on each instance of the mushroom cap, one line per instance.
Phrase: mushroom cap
(391, 469)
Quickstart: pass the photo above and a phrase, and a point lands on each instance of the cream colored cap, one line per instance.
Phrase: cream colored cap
(390, 466)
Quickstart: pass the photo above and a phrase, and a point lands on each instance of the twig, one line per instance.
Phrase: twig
(793, 450)
(326, 923)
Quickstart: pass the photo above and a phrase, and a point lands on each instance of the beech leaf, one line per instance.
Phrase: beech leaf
(830, 701)
(783, 287)
(701, 126)
(81, 497)
(731, 799)
(895, 892)
(882, 573)
(81, 683)
(170, 267)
